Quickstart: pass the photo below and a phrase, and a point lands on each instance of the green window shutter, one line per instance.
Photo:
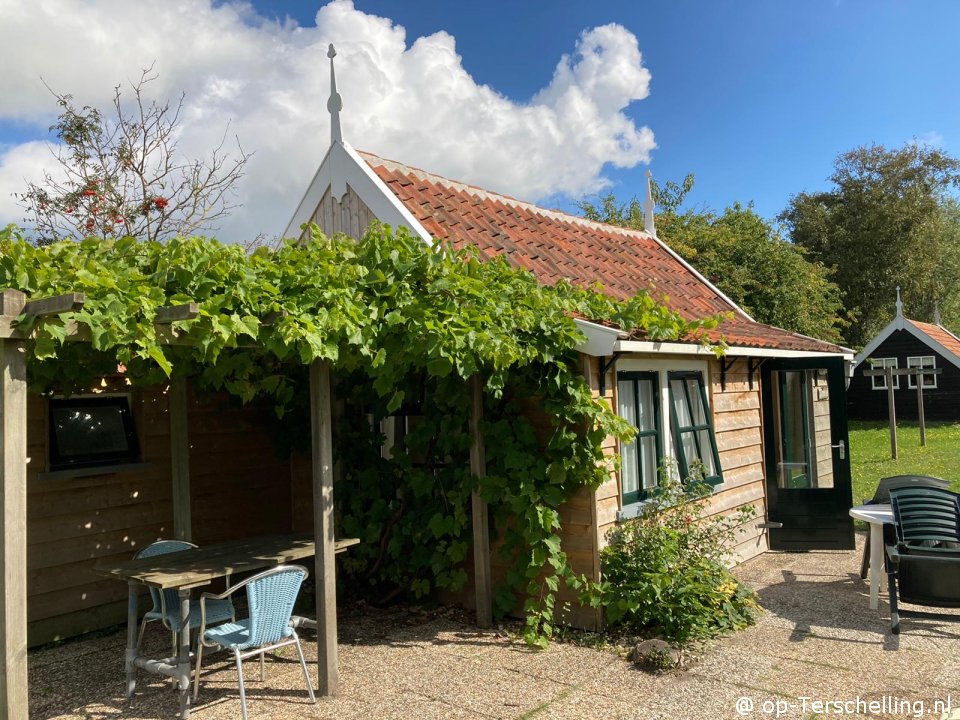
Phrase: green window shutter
(696, 445)
(638, 400)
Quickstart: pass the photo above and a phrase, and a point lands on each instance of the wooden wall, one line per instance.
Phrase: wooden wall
(942, 403)
(351, 216)
(238, 489)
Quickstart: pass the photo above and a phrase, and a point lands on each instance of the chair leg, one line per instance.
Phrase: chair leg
(143, 626)
(196, 673)
(865, 562)
(306, 673)
(176, 645)
(894, 612)
(243, 690)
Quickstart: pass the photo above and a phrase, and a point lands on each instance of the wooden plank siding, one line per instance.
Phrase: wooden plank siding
(239, 488)
(350, 216)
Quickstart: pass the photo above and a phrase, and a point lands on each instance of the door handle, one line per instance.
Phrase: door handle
(843, 449)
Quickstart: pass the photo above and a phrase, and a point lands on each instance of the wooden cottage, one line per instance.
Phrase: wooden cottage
(767, 422)
(905, 344)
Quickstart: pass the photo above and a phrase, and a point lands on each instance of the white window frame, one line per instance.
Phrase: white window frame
(663, 368)
(879, 382)
(912, 379)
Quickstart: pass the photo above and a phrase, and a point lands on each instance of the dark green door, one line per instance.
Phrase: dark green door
(807, 454)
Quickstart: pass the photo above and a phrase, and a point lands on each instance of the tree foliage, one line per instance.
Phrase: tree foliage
(122, 174)
(890, 219)
(743, 255)
(403, 325)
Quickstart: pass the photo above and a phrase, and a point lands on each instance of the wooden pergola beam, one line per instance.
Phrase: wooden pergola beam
(13, 517)
(172, 313)
(54, 305)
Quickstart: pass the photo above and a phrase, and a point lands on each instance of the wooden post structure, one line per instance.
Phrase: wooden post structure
(13, 517)
(892, 412)
(180, 457)
(321, 427)
(481, 527)
(918, 373)
(923, 426)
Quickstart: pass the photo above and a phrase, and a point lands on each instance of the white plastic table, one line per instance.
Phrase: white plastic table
(877, 516)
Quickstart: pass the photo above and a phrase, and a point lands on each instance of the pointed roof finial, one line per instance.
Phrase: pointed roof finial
(936, 312)
(648, 207)
(899, 303)
(335, 103)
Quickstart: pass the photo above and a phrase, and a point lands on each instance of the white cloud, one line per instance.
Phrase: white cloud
(416, 104)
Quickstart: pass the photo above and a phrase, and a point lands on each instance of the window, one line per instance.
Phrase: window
(879, 382)
(87, 432)
(638, 400)
(923, 361)
(696, 447)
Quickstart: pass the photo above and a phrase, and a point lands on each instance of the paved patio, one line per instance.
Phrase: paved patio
(818, 638)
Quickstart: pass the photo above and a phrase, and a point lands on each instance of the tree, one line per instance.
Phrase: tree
(891, 219)
(122, 175)
(743, 255)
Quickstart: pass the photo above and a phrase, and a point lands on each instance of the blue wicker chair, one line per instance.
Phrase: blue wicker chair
(166, 604)
(923, 567)
(270, 599)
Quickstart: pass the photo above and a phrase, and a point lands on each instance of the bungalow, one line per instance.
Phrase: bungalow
(766, 422)
(906, 343)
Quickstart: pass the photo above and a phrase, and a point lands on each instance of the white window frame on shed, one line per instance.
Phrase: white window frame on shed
(926, 362)
(879, 382)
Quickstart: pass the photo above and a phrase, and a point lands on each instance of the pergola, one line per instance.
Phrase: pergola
(13, 497)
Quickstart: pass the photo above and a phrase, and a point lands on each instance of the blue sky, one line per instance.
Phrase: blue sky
(755, 98)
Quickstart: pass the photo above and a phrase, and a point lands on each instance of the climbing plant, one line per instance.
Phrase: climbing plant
(404, 325)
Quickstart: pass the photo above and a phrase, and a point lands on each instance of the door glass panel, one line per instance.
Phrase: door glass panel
(804, 453)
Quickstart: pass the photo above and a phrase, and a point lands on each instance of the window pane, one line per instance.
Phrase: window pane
(647, 421)
(706, 454)
(680, 403)
(629, 468)
(626, 402)
(696, 402)
(649, 445)
(689, 451)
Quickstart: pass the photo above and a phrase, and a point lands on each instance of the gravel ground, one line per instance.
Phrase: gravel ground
(817, 639)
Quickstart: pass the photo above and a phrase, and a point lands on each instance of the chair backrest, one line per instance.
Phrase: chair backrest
(926, 516)
(270, 598)
(162, 547)
(882, 494)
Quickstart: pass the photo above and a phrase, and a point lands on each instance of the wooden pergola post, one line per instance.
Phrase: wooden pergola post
(13, 517)
(481, 527)
(892, 411)
(321, 428)
(180, 458)
(923, 425)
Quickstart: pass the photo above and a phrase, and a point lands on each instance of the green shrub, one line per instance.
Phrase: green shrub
(665, 571)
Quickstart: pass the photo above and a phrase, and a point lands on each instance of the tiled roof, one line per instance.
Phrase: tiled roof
(555, 245)
(940, 334)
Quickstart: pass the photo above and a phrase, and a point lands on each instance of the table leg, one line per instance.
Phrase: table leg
(131, 652)
(876, 563)
(183, 655)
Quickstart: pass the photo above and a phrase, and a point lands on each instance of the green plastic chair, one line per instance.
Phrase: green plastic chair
(270, 599)
(881, 496)
(923, 566)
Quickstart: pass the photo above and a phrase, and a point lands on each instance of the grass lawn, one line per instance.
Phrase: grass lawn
(870, 454)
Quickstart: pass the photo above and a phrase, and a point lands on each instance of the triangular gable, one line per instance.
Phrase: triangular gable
(902, 323)
(343, 167)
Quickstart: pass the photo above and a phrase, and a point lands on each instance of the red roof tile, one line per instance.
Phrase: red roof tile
(555, 245)
(940, 334)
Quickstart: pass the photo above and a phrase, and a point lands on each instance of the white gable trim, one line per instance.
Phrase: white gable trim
(342, 166)
(901, 323)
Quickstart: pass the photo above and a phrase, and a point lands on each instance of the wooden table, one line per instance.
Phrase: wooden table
(187, 569)
(877, 516)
